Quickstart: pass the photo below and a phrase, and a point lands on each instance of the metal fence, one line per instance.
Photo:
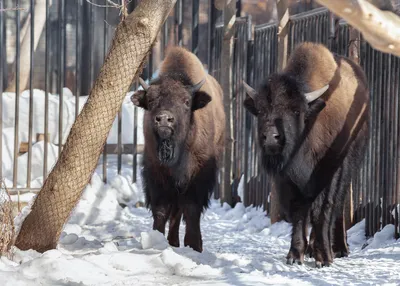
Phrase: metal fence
(71, 23)
(311, 26)
(378, 186)
(69, 54)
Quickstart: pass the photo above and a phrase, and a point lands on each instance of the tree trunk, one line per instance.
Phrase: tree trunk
(61, 191)
(380, 28)
(25, 58)
(226, 82)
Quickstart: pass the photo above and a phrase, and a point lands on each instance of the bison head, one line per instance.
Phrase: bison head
(170, 102)
(284, 107)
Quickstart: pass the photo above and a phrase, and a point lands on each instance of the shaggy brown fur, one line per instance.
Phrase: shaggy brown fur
(182, 185)
(322, 143)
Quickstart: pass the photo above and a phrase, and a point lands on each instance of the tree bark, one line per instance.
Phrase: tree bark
(226, 82)
(61, 191)
(39, 22)
(380, 28)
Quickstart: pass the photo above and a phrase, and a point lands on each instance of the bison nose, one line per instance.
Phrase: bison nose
(164, 118)
(273, 140)
(272, 136)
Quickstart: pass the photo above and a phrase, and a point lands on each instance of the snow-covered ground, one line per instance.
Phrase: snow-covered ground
(109, 241)
(105, 244)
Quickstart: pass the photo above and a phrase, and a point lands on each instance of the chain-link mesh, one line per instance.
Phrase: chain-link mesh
(6, 221)
(77, 162)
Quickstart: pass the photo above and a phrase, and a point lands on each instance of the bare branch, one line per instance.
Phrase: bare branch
(220, 4)
(13, 9)
(380, 28)
(112, 4)
(122, 7)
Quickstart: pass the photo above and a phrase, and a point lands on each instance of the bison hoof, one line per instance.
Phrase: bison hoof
(319, 264)
(291, 259)
(341, 254)
(309, 251)
(195, 247)
(174, 243)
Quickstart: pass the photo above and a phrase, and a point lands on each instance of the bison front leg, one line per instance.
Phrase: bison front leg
(298, 244)
(322, 247)
(191, 214)
(160, 216)
(174, 222)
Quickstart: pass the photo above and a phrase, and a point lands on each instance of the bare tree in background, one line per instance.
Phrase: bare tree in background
(39, 23)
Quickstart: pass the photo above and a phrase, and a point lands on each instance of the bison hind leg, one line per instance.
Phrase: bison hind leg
(340, 247)
(309, 250)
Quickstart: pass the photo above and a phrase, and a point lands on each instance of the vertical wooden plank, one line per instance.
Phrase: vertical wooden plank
(354, 54)
(283, 18)
(226, 82)
(195, 26)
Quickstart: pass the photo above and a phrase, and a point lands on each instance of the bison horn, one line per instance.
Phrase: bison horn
(143, 84)
(249, 90)
(311, 96)
(197, 86)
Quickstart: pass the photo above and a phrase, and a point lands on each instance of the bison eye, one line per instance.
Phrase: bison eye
(187, 103)
(297, 113)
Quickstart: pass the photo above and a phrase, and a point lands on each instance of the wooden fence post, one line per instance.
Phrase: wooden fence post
(354, 54)
(226, 82)
(283, 28)
(283, 18)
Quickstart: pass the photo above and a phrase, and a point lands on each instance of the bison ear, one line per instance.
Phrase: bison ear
(139, 99)
(249, 103)
(200, 100)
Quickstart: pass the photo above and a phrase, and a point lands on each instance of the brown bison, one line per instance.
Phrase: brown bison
(313, 122)
(184, 123)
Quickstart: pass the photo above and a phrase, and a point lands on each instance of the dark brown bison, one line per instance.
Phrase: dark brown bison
(184, 136)
(312, 130)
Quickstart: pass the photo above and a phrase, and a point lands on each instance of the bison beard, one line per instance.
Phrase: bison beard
(165, 151)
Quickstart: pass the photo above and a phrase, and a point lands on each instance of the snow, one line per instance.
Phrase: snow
(109, 241)
(105, 244)
(68, 115)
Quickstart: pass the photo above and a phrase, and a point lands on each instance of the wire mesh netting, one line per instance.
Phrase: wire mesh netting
(6, 221)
